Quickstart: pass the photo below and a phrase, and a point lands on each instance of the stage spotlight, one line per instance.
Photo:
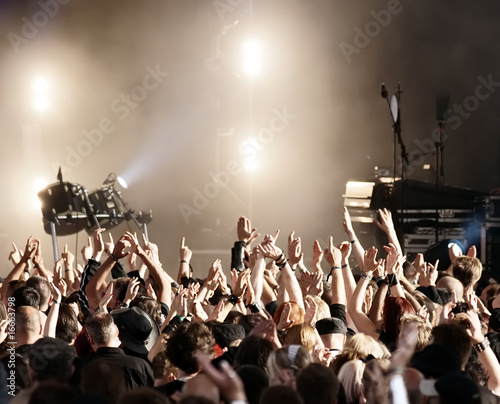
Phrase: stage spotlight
(40, 84)
(41, 103)
(252, 58)
(251, 164)
(38, 185)
(440, 252)
(122, 182)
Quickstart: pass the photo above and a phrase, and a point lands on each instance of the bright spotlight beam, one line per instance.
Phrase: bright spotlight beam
(122, 182)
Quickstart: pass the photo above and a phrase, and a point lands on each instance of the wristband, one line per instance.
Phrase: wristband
(184, 262)
(27, 271)
(392, 279)
(345, 266)
(353, 241)
(114, 258)
(56, 302)
(233, 299)
(37, 265)
(366, 275)
(68, 270)
(481, 347)
(254, 307)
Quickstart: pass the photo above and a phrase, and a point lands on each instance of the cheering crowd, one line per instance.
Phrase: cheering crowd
(354, 326)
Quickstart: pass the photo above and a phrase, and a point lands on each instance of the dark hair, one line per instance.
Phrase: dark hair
(51, 358)
(26, 296)
(185, 342)
(52, 392)
(143, 395)
(42, 287)
(454, 336)
(317, 384)
(22, 369)
(28, 320)
(253, 350)
(148, 305)
(67, 324)
(99, 327)
(281, 395)
(104, 379)
(394, 308)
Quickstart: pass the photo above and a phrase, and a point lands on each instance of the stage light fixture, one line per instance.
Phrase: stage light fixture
(122, 182)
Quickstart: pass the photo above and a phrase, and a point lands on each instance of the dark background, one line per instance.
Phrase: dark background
(94, 51)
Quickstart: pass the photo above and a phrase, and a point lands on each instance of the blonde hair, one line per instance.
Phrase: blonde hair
(323, 309)
(301, 334)
(424, 330)
(351, 378)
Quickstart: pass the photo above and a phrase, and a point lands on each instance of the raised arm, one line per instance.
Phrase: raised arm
(360, 319)
(287, 277)
(185, 255)
(334, 258)
(18, 269)
(391, 262)
(387, 226)
(351, 235)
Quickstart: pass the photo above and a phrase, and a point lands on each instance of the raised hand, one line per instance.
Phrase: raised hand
(184, 251)
(239, 281)
(29, 249)
(15, 255)
(332, 254)
(108, 295)
(37, 257)
(269, 248)
(87, 251)
(119, 250)
(98, 243)
(345, 248)
(385, 224)
(347, 223)
(132, 290)
(318, 254)
(454, 252)
(109, 245)
(295, 255)
(68, 257)
(370, 260)
(311, 310)
(392, 258)
(245, 231)
(430, 275)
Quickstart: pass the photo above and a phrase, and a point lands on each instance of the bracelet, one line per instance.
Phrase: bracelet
(37, 265)
(392, 279)
(282, 265)
(56, 302)
(68, 270)
(27, 271)
(353, 241)
(366, 275)
(280, 257)
(254, 307)
(345, 266)
(184, 262)
(334, 267)
(233, 299)
(481, 347)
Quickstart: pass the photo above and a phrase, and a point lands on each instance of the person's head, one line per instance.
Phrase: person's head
(82, 344)
(467, 270)
(280, 394)
(67, 324)
(255, 381)
(323, 309)
(284, 363)
(301, 334)
(102, 331)
(52, 392)
(409, 271)
(187, 341)
(296, 315)
(11, 287)
(451, 283)
(143, 395)
(43, 288)
(332, 332)
(351, 376)
(394, 308)
(423, 329)
(423, 300)
(163, 370)
(253, 350)
(317, 384)
(148, 305)
(22, 379)
(51, 359)
(489, 292)
(26, 296)
(120, 290)
(201, 386)
(104, 379)
(28, 325)
(360, 346)
(454, 336)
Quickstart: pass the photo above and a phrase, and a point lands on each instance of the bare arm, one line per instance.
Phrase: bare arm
(18, 269)
(351, 235)
(387, 226)
(185, 255)
(360, 319)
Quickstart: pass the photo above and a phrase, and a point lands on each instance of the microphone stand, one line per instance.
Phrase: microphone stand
(396, 128)
(439, 171)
